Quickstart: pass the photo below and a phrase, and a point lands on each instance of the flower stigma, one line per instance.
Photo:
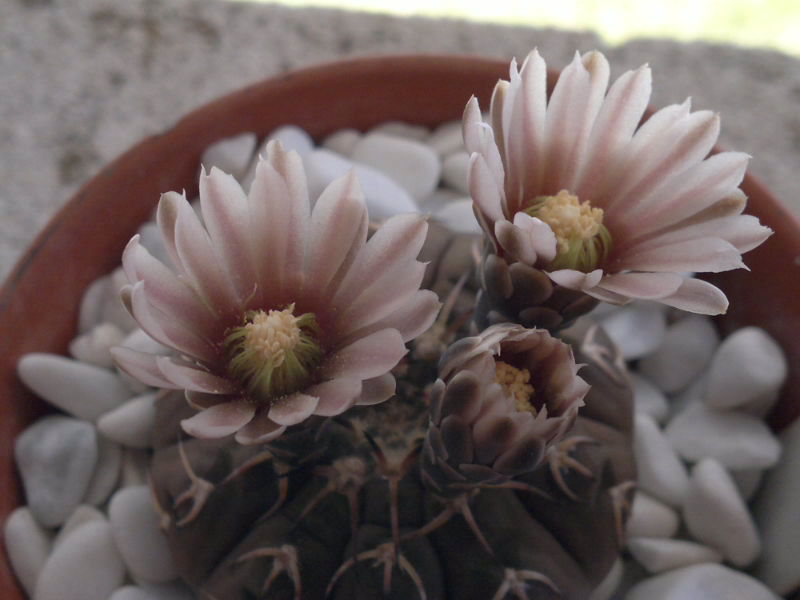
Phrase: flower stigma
(582, 240)
(274, 353)
(514, 382)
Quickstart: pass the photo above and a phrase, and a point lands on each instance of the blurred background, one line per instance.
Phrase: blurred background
(84, 80)
(760, 23)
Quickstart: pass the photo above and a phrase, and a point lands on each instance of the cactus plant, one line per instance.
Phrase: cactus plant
(324, 434)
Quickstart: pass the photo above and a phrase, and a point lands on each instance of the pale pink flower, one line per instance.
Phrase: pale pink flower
(542, 168)
(275, 312)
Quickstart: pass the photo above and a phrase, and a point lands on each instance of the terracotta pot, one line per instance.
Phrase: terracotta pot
(39, 301)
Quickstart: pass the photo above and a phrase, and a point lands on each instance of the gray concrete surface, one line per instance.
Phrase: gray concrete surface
(82, 80)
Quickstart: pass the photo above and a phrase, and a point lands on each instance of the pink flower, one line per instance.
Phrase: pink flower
(276, 312)
(576, 187)
(504, 397)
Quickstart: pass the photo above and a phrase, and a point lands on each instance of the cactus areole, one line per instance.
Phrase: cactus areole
(347, 416)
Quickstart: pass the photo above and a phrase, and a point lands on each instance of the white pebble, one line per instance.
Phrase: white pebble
(661, 472)
(133, 471)
(93, 347)
(79, 389)
(342, 142)
(174, 590)
(637, 329)
(85, 566)
(455, 171)
(694, 393)
(447, 139)
(91, 310)
(747, 372)
(56, 457)
(439, 198)
(106, 473)
(707, 581)
(402, 130)
(131, 424)
(458, 217)
(80, 516)
(685, 352)
(411, 164)
(651, 518)
(292, 138)
(648, 399)
(232, 155)
(384, 197)
(776, 512)
(737, 440)
(658, 554)
(716, 515)
(27, 545)
(132, 592)
(138, 536)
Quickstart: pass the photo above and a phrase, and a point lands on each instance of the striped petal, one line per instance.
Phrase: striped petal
(219, 421)
(368, 357)
(293, 409)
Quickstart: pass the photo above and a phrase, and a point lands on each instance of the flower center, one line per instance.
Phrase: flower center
(582, 239)
(515, 383)
(274, 353)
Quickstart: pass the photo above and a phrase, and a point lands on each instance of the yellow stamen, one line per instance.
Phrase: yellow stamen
(274, 353)
(582, 239)
(515, 383)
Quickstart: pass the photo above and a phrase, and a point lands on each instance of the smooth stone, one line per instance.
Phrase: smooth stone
(342, 142)
(458, 217)
(447, 139)
(648, 399)
(651, 518)
(658, 554)
(694, 393)
(384, 197)
(131, 424)
(92, 302)
(609, 585)
(409, 163)
(439, 198)
(82, 390)
(133, 470)
(638, 329)
(113, 310)
(232, 155)
(737, 440)
(85, 566)
(28, 545)
(106, 473)
(56, 457)
(291, 137)
(708, 581)
(93, 347)
(715, 514)
(747, 372)
(776, 512)
(80, 516)
(137, 533)
(402, 130)
(455, 171)
(132, 592)
(661, 472)
(747, 481)
(684, 353)
(140, 341)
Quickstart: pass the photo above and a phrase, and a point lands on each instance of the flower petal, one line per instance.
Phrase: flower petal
(141, 366)
(575, 280)
(293, 409)
(368, 357)
(260, 430)
(698, 296)
(336, 395)
(220, 420)
(698, 255)
(642, 285)
(191, 378)
(377, 389)
(485, 191)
